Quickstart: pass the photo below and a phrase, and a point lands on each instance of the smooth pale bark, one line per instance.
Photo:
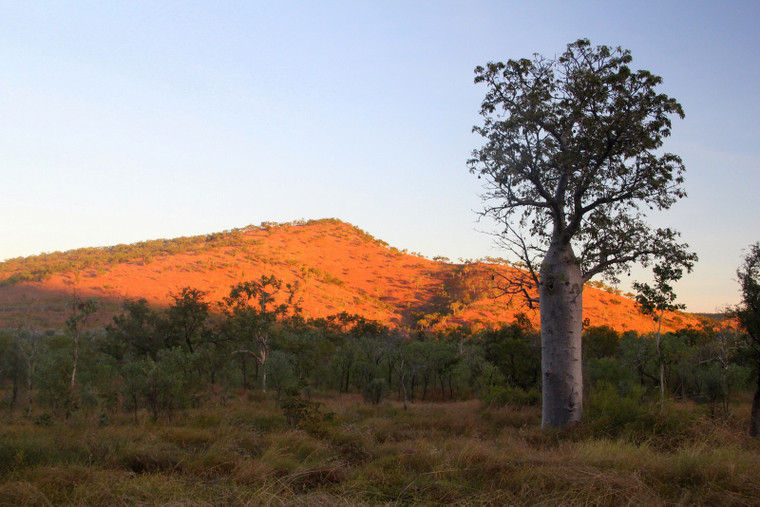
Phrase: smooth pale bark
(561, 293)
(72, 387)
(263, 341)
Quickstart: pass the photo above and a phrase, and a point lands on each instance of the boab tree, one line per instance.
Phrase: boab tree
(571, 163)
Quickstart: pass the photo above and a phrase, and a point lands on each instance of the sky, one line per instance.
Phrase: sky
(125, 121)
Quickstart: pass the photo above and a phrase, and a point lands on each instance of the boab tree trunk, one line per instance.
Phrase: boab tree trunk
(561, 293)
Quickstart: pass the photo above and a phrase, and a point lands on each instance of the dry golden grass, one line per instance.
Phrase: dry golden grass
(451, 453)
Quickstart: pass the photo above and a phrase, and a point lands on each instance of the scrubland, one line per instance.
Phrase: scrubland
(342, 451)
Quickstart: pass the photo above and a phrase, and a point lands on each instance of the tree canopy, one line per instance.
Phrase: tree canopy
(572, 154)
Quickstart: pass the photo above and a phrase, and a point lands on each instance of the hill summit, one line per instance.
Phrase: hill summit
(337, 267)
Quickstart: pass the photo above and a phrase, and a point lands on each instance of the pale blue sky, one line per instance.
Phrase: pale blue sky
(126, 121)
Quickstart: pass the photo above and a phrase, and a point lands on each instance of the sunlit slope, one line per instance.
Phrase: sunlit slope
(336, 266)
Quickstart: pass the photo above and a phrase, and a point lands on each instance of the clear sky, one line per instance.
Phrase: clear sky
(123, 121)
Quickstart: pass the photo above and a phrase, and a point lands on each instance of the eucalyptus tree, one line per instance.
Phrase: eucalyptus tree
(572, 163)
(138, 331)
(252, 309)
(28, 343)
(656, 299)
(75, 324)
(187, 316)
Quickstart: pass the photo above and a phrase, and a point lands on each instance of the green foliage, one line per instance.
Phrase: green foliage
(714, 382)
(186, 317)
(80, 312)
(280, 371)
(607, 370)
(611, 413)
(301, 412)
(138, 331)
(141, 367)
(500, 396)
(515, 350)
(45, 419)
(155, 386)
(579, 135)
(54, 373)
(747, 313)
(655, 300)
(442, 359)
(600, 342)
(166, 384)
(374, 391)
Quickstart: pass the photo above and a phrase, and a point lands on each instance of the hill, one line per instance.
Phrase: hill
(337, 266)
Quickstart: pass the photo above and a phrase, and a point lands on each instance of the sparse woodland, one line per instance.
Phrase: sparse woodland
(248, 402)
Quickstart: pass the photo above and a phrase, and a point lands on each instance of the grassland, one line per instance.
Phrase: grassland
(244, 453)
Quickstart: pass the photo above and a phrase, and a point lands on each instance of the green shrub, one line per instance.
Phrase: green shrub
(610, 371)
(499, 396)
(610, 413)
(374, 391)
(632, 416)
(45, 419)
(301, 412)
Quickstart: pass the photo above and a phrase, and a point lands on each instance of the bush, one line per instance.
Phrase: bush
(499, 396)
(374, 391)
(631, 416)
(610, 371)
(300, 412)
(609, 413)
(44, 420)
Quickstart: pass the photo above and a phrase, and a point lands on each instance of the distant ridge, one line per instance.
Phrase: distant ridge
(337, 266)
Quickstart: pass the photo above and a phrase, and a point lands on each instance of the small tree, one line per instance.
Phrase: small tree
(279, 371)
(748, 315)
(374, 391)
(187, 316)
(252, 309)
(136, 331)
(11, 366)
(29, 342)
(80, 312)
(655, 300)
(571, 159)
